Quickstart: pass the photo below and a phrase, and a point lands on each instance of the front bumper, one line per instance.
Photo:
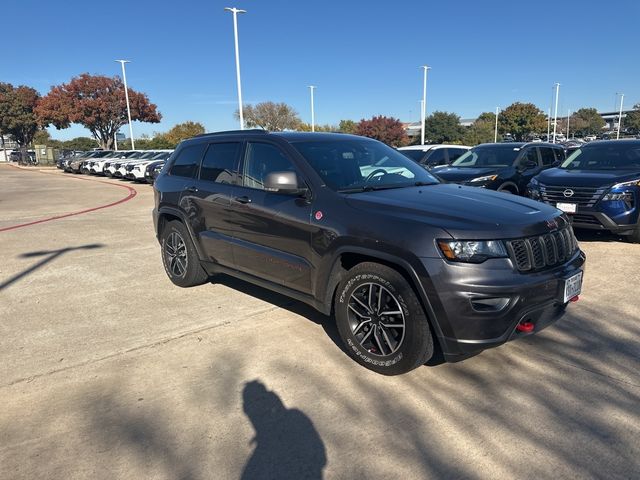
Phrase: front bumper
(462, 297)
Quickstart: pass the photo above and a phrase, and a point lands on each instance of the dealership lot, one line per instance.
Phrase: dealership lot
(108, 370)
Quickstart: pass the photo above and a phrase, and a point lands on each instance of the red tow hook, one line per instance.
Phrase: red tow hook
(574, 299)
(525, 327)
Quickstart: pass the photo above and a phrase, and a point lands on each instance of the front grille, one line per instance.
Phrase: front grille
(582, 196)
(548, 250)
(586, 219)
(129, 168)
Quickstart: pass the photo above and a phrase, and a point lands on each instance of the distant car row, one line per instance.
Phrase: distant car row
(136, 165)
(597, 185)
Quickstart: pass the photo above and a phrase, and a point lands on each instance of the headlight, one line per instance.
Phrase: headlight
(632, 183)
(534, 183)
(487, 178)
(472, 251)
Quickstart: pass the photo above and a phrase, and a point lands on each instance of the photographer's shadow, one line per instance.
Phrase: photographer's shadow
(287, 444)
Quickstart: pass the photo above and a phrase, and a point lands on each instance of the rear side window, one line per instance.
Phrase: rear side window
(219, 163)
(436, 157)
(547, 156)
(260, 160)
(186, 164)
(560, 156)
(416, 155)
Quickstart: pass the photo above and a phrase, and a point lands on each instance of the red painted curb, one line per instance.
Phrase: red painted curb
(132, 193)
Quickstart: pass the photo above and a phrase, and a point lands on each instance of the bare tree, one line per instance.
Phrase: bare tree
(270, 116)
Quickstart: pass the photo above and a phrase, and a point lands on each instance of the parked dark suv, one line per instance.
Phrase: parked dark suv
(598, 186)
(506, 167)
(355, 229)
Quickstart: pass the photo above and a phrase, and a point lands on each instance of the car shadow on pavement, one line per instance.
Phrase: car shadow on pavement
(281, 301)
(287, 445)
(597, 236)
(49, 256)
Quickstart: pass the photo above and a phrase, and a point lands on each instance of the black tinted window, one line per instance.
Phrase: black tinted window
(547, 156)
(456, 153)
(436, 157)
(219, 162)
(416, 155)
(260, 160)
(187, 162)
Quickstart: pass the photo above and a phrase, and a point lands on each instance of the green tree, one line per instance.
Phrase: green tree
(271, 116)
(42, 137)
(586, 121)
(182, 131)
(347, 126)
(17, 116)
(521, 119)
(80, 143)
(306, 127)
(632, 120)
(159, 141)
(97, 103)
(386, 129)
(443, 127)
(482, 130)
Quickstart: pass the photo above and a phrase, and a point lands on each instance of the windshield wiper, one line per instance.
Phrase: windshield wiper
(371, 188)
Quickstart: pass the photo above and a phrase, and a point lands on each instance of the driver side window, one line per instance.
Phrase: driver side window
(261, 159)
(530, 155)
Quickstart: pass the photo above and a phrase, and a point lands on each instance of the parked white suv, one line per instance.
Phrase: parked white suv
(433, 155)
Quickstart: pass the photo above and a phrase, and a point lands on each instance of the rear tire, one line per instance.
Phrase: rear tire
(179, 256)
(381, 321)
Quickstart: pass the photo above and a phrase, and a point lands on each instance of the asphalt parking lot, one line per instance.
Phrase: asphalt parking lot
(107, 370)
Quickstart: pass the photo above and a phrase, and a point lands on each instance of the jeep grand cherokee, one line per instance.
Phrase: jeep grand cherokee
(357, 230)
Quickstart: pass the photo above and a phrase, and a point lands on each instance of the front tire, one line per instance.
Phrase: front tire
(179, 256)
(635, 236)
(381, 320)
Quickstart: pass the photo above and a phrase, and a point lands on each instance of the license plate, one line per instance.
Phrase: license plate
(566, 207)
(572, 287)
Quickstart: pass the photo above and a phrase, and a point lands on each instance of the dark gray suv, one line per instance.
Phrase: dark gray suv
(352, 227)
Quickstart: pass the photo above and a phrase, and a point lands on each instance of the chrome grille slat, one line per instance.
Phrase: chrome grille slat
(582, 196)
(544, 251)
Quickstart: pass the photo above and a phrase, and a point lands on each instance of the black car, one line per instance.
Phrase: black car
(355, 229)
(598, 186)
(152, 171)
(505, 167)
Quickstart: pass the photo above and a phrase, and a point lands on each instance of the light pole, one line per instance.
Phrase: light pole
(568, 118)
(126, 96)
(620, 116)
(495, 133)
(424, 101)
(555, 113)
(235, 13)
(313, 116)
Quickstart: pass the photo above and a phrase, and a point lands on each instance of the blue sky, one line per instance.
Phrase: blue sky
(364, 56)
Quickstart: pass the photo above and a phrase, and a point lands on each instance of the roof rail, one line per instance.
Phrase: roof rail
(234, 132)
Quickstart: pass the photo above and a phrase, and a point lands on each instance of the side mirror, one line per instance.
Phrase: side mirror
(557, 163)
(283, 182)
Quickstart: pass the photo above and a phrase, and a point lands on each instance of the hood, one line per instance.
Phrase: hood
(463, 174)
(464, 212)
(561, 177)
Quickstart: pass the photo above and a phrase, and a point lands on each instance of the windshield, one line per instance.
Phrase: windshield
(355, 165)
(488, 157)
(622, 156)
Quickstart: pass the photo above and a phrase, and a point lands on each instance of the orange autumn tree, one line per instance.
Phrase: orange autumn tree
(97, 103)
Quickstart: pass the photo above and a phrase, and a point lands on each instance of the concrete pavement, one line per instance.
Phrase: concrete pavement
(109, 371)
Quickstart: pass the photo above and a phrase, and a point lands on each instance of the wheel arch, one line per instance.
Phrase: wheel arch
(348, 257)
(510, 186)
(167, 214)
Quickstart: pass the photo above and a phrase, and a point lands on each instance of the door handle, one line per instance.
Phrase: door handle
(243, 199)
(192, 189)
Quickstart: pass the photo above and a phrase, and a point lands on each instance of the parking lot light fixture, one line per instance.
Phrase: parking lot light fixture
(620, 116)
(235, 12)
(313, 116)
(555, 112)
(126, 96)
(495, 133)
(424, 101)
